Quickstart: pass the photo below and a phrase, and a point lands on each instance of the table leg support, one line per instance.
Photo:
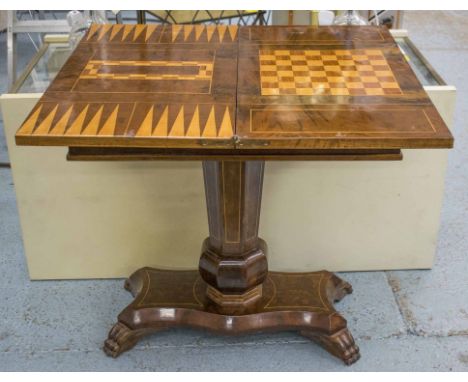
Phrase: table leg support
(233, 292)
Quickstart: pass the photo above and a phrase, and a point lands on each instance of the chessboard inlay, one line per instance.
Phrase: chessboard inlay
(355, 72)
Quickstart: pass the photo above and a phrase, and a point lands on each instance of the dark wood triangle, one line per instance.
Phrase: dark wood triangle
(189, 109)
(204, 110)
(47, 108)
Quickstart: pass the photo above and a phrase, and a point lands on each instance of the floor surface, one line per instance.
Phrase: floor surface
(403, 321)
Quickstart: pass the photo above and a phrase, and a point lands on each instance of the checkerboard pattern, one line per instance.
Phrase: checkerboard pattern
(353, 72)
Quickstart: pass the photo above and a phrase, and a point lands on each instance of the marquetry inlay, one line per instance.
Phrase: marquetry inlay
(326, 72)
(147, 120)
(147, 70)
(151, 33)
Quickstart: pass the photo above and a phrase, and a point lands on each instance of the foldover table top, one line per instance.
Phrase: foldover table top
(229, 87)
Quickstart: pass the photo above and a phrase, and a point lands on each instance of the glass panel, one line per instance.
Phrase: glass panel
(55, 56)
(46, 69)
(423, 71)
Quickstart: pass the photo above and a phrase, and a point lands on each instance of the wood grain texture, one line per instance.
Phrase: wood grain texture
(233, 261)
(153, 154)
(298, 301)
(330, 88)
(229, 87)
(143, 86)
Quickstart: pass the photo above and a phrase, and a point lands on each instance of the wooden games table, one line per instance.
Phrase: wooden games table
(233, 98)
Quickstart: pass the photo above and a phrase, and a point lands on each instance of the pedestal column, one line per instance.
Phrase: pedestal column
(233, 261)
(233, 292)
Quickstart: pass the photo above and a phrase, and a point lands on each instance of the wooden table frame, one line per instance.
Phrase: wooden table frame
(234, 98)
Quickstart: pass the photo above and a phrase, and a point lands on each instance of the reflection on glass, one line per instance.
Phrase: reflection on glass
(78, 25)
(46, 68)
(349, 18)
(423, 73)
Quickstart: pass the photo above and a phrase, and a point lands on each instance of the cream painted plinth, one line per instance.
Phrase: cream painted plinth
(106, 219)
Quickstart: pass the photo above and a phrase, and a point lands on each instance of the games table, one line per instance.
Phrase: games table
(233, 98)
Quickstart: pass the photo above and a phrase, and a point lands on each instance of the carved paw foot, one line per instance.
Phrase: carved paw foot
(120, 339)
(340, 344)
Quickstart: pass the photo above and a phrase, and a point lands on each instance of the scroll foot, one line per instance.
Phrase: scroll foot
(341, 345)
(120, 339)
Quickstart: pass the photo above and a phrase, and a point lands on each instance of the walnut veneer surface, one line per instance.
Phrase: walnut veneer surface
(211, 87)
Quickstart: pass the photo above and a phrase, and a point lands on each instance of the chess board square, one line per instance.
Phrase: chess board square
(349, 67)
(378, 62)
(300, 73)
(366, 73)
(268, 73)
(369, 79)
(268, 57)
(359, 57)
(389, 85)
(330, 62)
(344, 57)
(304, 84)
(374, 91)
(338, 85)
(272, 91)
(303, 79)
(355, 85)
(344, 52)
(327, 57)
(353, 79)
(268, 67)
(298, 62)
(311, 62)
(346, 62)
(287, 84)
(334, 73)
(272, 84)
(334, 77)
(364, 67)
(357, 92)
(387, 80)
(284, 67)
(286, 79)
(283, 62)
(384, 73)
(369, 85)
(300, 68)
(288, 91)
(332, 68)
(350, 73)
(321, 85)
(318, 74)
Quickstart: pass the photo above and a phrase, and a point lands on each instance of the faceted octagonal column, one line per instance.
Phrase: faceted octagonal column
(233, 260)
